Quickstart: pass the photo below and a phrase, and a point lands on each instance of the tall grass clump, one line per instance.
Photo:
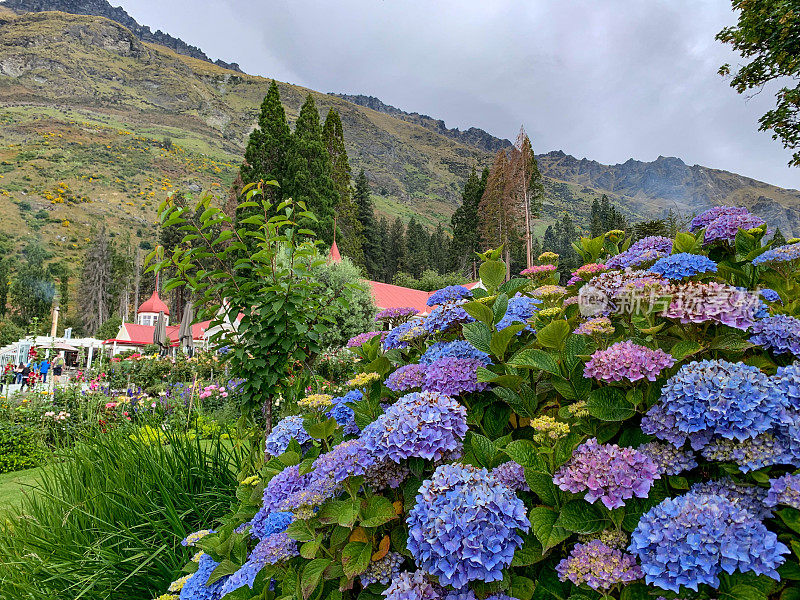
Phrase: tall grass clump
(107, 521)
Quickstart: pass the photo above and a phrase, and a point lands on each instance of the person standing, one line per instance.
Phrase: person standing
(25, 376)
(58, 366)
(44, 369)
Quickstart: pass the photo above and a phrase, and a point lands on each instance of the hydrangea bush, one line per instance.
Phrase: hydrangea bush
(633, 435)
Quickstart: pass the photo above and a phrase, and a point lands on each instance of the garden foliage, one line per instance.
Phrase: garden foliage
(631, 435)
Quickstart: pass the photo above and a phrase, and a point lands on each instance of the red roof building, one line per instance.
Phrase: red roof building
(148, 311)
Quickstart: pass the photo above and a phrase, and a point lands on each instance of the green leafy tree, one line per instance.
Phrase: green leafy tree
(110, 328)
(32, 289)
(266, 307)
(652, 227)
(373, 244)
(348, 299)
(308, 178)
(95, 290)
(766, 35)
(350, 237)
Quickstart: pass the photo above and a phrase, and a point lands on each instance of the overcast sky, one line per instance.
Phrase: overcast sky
(602, 79)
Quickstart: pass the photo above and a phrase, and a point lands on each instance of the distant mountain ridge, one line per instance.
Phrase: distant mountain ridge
(102, 8)
(472, 136)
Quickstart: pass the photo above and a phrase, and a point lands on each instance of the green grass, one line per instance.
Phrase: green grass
(14, 486)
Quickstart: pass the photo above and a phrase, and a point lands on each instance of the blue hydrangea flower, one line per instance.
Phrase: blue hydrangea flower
(784, 490)
(344, 415)
(382, 571)
(445, 317)
(464, 526)
(453, 376)
(265, 524)
(748, 497)
(690, 540)
(780, 334)
(394, 339)
(770, 295)
(715, 398)
(285, 431)
(511, 475)
(520, 309)
(425, 425)
(763, 450)
(456, 349)
(646, 249)
(682, 265)
(269, 551)
(195, 587)
(786, 253)
(449, 295)
(599, 566)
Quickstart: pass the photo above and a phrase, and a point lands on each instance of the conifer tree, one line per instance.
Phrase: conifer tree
(372, 243)
(416, 257)
(269, 143)
(524, 188)
(498, 212)
(438, 250)
(395, 254)
(379, 259)
(308, 173)
(596, 227)
(466, 238)
(96, 282)
(349, 238)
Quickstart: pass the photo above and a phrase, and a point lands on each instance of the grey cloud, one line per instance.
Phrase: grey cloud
(607, 80)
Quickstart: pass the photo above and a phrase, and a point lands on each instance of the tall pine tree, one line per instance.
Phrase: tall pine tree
(380, 258)
(466, 238)
(372, 243)
(416, 252)
(269, 143)
(498, 212)
(349, 236)
(308, 178)
(95, 293)
(396, 249)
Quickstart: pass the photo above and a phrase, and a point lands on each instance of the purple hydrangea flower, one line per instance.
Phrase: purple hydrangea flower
(422, 424)
(595, 326)
(511, 475)
(456, 349)
(598, 566)
(363, 338)
(329, 471)
(784, 490)
(646, 249)
(669, 460)
(195, 587)
(287, 429)
(265, 524)
(690, 540)
(445, 317)
(725, 227)
(607, 292)
(413, 586)
(283, 485)
(780, 334)
(696, 302)
(786, 253)
(627, 361)
(406, 377)
(715, 398)
(271, 550)
(704, 219)
(608, 473)
(386, 474)
(343, 414)
(453, 376)
(464, 526)
(520, 309)
(449, 295)
(748, 497)
(396, 313)
(682, 265)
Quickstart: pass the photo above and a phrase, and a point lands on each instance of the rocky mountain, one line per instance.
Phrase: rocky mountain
(102, 8)
(472, 136)
(668, 182)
